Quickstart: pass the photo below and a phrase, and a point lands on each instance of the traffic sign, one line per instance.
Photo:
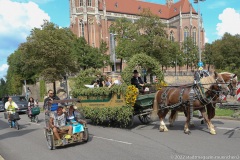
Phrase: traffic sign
(200, 68)
(200, 64)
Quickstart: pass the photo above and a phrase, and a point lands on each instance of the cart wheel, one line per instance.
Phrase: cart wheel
(145, 119)
(36, 119)
(85, 135)
(49, 138)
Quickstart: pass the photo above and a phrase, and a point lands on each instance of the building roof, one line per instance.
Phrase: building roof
(135, 7)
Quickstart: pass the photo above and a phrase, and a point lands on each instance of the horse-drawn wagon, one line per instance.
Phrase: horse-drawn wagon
(114, 102)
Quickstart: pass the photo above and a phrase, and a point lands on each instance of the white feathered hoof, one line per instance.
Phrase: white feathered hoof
(212, 132)
(187, 131)
(163, 128)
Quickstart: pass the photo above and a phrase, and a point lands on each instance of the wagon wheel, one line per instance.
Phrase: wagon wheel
(145, 119)
(85, 134)
(49, 138)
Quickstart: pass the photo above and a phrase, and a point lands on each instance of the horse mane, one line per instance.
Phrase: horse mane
(207, 82)
(230, 75)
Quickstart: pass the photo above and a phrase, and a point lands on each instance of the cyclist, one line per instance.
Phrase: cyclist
(10, 107)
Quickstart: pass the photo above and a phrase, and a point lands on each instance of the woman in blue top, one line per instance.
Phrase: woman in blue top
(74, 115)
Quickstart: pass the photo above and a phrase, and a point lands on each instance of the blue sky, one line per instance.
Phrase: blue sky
(18, 17)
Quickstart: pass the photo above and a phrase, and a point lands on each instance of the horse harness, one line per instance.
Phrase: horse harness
(195, 94)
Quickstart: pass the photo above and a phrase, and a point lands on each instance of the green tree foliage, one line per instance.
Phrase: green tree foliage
(48, 52)
(226, 53)
(190, 53)
(2, 87)
(87, 56)
(146, 35)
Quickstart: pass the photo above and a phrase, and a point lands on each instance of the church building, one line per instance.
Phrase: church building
(91, 19)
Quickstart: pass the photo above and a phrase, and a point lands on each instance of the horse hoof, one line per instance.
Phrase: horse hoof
(213, 132)
(187, 132)
(202, 121)
(163, 129)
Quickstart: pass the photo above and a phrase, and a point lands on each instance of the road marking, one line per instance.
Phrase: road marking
(112, 140)
(225, 128)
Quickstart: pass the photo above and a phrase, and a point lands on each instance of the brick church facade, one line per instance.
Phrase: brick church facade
(91, 19)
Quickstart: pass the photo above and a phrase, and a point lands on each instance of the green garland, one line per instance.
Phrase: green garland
(122, 115)
(101, 91)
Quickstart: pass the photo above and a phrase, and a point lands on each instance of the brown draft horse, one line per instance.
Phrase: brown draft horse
(231, 80)
(181, 98)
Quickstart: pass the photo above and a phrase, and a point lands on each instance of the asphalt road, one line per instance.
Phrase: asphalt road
(142, 142)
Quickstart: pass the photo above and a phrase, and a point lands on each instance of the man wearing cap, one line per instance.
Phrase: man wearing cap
(47, 105)
(136, 80)
(58, 124)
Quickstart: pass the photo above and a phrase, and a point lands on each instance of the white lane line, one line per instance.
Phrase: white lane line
(112, 140)
(225, 128)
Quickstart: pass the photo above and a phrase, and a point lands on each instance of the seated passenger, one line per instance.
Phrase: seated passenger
(58, 124)
(74, 115)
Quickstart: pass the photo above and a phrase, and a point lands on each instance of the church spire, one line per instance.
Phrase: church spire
(169, 3)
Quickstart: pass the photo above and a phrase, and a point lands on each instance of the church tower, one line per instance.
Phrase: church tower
(169, 3)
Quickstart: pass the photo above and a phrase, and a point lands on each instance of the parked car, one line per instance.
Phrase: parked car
(21, 101)
(2, 107)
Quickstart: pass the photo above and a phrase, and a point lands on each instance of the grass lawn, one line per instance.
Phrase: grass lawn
(220, 112)
(223, 112)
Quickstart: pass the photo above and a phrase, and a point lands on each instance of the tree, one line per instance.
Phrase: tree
(147, 35)
(226, 53)
(87, 56)
(190, 53)
(2, 87)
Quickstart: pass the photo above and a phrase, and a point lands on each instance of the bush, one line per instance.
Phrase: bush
(121, 114)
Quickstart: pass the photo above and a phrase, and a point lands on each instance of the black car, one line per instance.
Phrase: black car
(2, 107)
(21, 101)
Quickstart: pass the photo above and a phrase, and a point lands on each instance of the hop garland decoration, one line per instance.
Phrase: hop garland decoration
(131, 95)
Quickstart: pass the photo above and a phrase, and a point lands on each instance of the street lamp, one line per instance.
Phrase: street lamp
(112, 35)
(199, 39)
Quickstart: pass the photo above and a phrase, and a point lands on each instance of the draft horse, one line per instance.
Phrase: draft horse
(187, 98)
(231, 80)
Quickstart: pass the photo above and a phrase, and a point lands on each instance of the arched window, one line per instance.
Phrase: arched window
(80, 3)
(186, 33)
(194, 35)
(171, 36)
(81, 28)
(89, 3)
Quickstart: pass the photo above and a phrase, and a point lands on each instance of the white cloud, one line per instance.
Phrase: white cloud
(230, 22)
(206, 39)
(35, 1)
(3, 67)
(3, 70)
(17, 20)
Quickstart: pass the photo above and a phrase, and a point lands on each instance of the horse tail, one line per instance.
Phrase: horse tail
(210, 110)
(154, 113)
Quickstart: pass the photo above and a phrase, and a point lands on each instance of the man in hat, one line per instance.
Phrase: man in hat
(58, 124)
(136, 80)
